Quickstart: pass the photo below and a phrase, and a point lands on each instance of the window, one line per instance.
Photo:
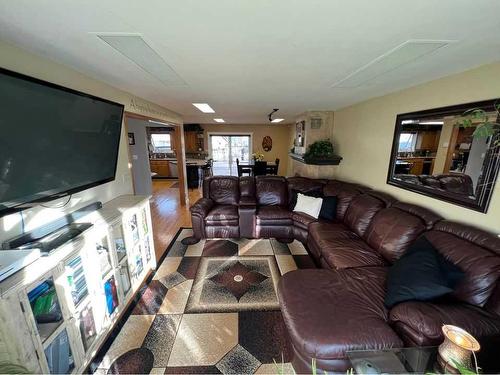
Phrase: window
(407, 142)
(162, 142)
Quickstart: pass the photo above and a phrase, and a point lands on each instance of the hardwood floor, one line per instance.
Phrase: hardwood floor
(167, 213)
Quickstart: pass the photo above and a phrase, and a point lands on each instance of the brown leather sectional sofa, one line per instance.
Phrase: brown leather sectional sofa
(340, 306)
(460, 184)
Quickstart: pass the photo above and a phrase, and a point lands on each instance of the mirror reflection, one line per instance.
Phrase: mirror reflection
(449, 155)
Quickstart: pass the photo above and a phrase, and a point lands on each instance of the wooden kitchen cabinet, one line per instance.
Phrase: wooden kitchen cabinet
(190, 140)
(428, 140)
(417, 167)
(160, 167)
(193, 141)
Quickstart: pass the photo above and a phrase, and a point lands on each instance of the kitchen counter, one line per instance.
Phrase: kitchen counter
(162, 159)
(415, 157)
(198, 162)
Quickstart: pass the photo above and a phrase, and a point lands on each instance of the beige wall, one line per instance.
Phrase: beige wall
(363, 135)
(279, 134)
(297, 168)
(18, 60)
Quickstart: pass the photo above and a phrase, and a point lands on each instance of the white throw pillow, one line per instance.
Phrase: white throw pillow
(308, 205)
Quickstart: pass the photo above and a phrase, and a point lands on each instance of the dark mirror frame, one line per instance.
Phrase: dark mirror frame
(492, 159)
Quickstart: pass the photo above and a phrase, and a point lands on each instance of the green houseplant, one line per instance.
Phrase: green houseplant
(479, 118)
(320, 150)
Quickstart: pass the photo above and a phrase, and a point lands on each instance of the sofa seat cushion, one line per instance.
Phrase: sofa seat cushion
(323, 310)
(273, 215)
(302, 220)
(419, 323)
(350, 252)
(223, 213)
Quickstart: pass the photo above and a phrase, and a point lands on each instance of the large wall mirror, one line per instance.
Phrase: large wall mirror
(449, 153)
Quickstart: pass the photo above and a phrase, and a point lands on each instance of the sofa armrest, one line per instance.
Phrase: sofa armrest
(202, 207)
(247, 201)
(246, 213)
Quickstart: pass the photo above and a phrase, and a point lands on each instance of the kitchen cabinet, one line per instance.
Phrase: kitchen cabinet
(190, 141)
(193, 141)
(427, 140)
(420, 165)
(160, 167)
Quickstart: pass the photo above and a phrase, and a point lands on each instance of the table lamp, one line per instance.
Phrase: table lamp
(457, 348)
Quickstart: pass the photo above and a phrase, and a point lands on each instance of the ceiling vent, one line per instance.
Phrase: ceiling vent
(316, 122)
(405, 53)
(135, 48)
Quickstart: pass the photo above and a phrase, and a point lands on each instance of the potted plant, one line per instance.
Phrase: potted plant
(479, 118)
(321, 152)
(258, 156)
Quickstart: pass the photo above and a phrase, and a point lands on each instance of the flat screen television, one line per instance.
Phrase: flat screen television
(54, 141)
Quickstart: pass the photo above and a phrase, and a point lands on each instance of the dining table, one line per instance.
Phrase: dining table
(250, 164)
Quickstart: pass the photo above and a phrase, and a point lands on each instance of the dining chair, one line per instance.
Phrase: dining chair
(242, 168)
(260, 168)
(273, 169)
(208, 168)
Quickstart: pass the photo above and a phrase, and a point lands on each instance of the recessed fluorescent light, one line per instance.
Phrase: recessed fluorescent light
(402, 54)
(135, 48)
(277, 120)
(158, 122)
(432, 123)
(204, 107)
(219, 120)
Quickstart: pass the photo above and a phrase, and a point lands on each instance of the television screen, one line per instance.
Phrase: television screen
(53, 141)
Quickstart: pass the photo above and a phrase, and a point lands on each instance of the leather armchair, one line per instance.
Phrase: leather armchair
(216, 214)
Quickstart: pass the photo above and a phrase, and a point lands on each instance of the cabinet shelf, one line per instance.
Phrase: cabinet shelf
(48, 331)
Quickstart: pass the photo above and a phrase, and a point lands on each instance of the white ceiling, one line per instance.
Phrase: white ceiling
(245, 57)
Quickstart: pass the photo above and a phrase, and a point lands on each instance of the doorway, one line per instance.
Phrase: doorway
(225, 148)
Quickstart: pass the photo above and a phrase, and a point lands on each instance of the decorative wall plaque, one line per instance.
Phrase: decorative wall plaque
(267, 143)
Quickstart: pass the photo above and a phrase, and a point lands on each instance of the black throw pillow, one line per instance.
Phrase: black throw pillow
(421, 274)
(329, 208)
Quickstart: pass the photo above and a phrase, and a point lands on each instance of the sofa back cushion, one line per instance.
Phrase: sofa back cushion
(222, 189)
(461, 184)
(344, 192)
(361, 211)
(247, 186)
(477, 254)
(271, 190)
(305, 186)
(393, 229)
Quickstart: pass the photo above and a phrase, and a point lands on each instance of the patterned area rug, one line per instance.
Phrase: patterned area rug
(210, 308)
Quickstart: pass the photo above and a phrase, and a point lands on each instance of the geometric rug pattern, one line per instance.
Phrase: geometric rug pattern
(210, 308)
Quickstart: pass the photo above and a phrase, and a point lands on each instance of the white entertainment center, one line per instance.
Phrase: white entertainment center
(57, 312)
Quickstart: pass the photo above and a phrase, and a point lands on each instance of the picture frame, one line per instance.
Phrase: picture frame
(131, 139)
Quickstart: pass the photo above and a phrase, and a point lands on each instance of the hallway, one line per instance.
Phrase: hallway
(167, 213)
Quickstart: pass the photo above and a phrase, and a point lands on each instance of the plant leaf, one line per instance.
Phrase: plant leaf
(462, 369)
(484, 130)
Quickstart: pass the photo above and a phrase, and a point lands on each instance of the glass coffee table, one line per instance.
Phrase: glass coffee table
(416, 360)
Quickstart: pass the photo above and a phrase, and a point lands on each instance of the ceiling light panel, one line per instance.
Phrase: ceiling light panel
(405, 53)
(204, 107)
(219, 120)
(277, 120)
(138, 51)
